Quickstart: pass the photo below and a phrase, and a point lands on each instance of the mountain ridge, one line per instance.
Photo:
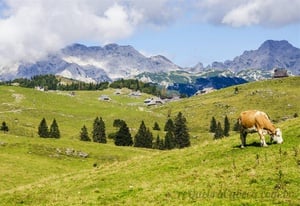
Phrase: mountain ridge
(113, 61)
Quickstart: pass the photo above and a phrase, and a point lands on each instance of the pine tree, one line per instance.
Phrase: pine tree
(43, 129)
(144, 137)
(4, 127)
(84, 136)
(219, 132)
(123, 136)
(226, 126)
(156, 126)
(213, 125)
(169, 140)
(102, 131)
(181, 135)
(54, 130)
(169, 126)
(99, 131)
(159, 143)
(118, 123)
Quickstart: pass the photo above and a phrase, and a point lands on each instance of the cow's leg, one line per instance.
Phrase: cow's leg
(262, 138)
(243, 135)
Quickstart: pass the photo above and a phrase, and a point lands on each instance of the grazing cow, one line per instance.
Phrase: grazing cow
(257, 121)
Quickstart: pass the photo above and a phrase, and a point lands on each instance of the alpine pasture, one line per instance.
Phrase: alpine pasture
(40, 171)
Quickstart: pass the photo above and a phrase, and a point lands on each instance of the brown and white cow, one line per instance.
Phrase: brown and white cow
(257, 121)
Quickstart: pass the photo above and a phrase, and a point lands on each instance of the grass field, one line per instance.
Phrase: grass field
(37, 171)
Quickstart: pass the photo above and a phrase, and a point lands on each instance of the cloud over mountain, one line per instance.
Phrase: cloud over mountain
(30, 29)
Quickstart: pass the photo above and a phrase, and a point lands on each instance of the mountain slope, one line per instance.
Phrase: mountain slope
(271, 54)
(209, 172)
(97, 64)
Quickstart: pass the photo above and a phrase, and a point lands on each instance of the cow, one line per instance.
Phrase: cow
(257, 121)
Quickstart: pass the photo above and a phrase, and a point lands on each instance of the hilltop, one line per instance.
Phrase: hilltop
(209, 172)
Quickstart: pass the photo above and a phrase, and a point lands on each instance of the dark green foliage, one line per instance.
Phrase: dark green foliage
(83, 86)
(226, 126)
(159, 143)
(219, 132)
(144, 137)
(136, 85)
(43, 130)
(169, 126)
(156, 126)
(213, 125)
(236, 90)
(54, 130)
(4, 127)
(49, 81)
(84, 136)
(296, 115)
(118, 123)
(123, 136)
(98, 133)
(169, 140)
(181, 134)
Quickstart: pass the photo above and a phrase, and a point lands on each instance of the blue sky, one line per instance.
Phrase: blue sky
(186, 44)
(187, 32)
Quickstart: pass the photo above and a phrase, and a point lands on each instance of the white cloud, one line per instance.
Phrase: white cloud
(273, 13)
(32, 28)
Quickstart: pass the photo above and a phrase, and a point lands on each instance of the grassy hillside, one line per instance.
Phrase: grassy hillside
(36, 171)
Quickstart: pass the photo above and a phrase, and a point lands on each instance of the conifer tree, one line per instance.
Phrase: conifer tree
(4, 127)
(219, 131)
(169, 126)
(213, 125)
(123, 136)
(156, 126)
(84, 136)
(226, 126)
(160, 143)
(54, 130)
(43, 130)
(144, 137)
(99, 131)
(169, 140)
(181, 134)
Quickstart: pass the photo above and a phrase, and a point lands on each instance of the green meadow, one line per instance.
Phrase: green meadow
(38, 171)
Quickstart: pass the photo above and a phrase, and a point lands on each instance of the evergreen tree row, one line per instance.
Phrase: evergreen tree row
(216, 128)
(98, 133)
(51, 82)
(177, 135)
(45, 132)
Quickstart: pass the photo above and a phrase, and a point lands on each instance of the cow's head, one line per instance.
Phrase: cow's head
(277, 137)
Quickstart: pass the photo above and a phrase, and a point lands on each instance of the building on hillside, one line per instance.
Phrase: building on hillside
(135, 93)
(205, 91)
(153, 101)
(280, 73)
(39, 88)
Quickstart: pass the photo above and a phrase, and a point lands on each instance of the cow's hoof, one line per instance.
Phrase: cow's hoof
(242, 147)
